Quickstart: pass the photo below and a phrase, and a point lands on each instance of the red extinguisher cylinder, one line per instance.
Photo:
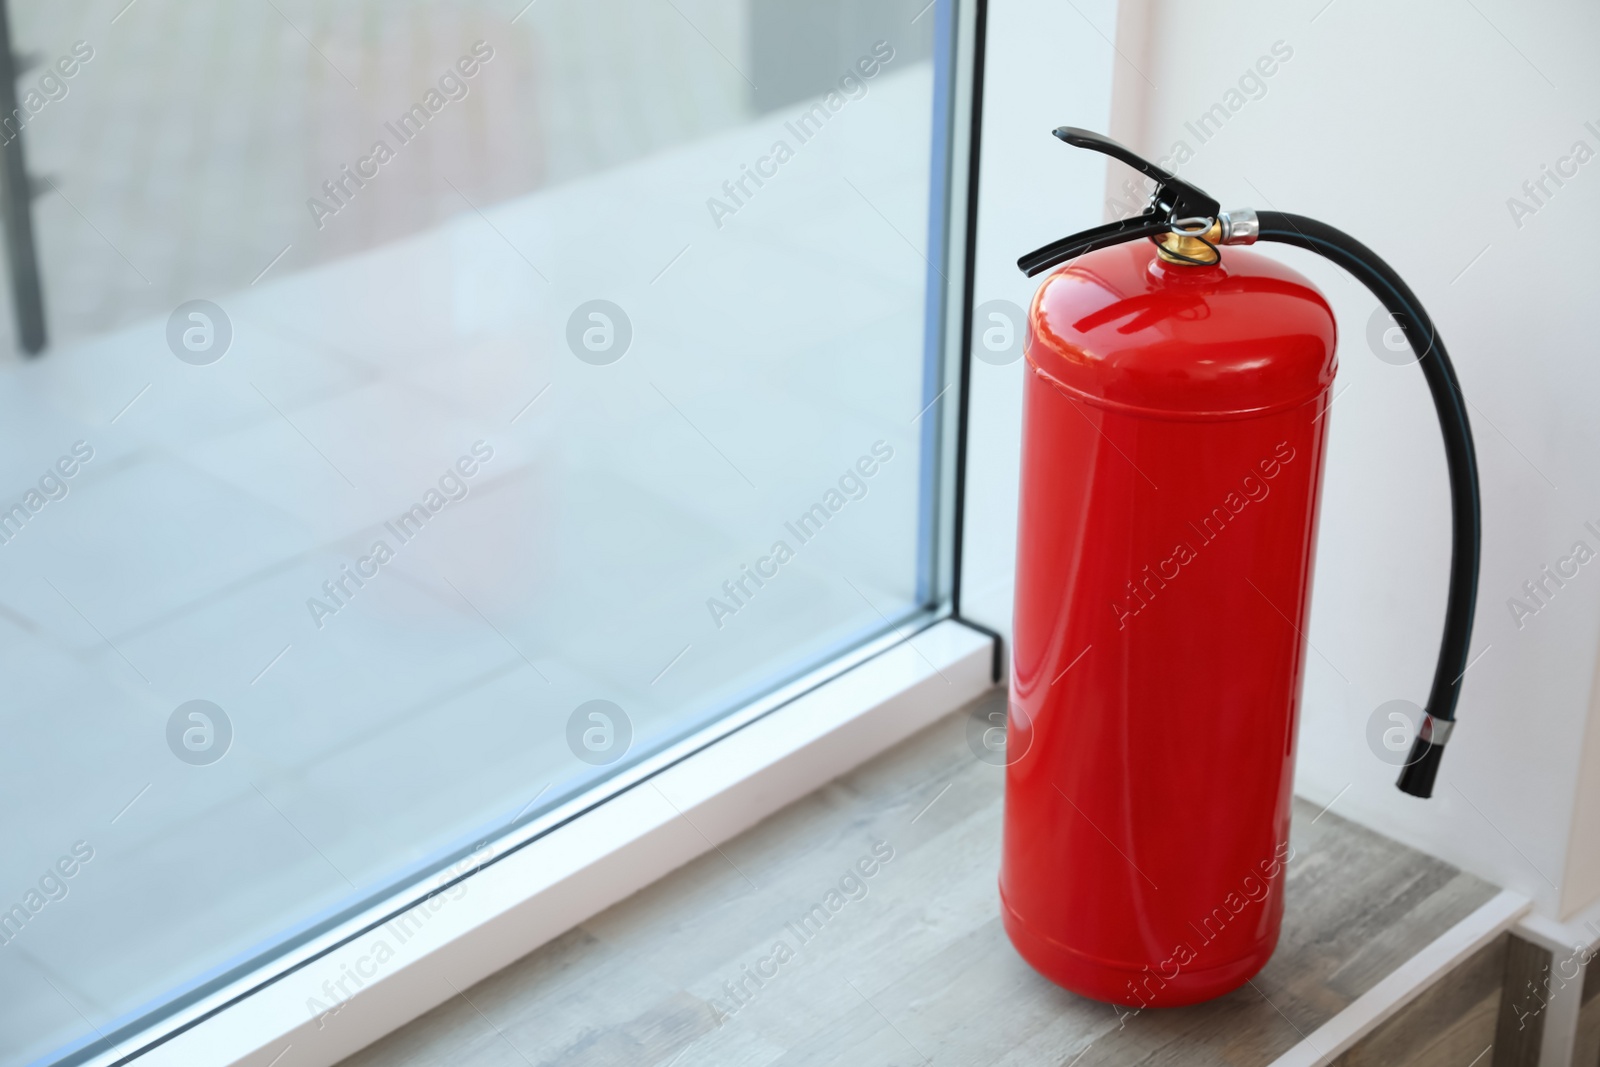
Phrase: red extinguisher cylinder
(1174, 421)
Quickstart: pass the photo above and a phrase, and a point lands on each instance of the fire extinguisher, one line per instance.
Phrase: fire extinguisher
(1175, 413)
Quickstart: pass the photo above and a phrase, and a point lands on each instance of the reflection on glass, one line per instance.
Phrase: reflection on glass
(446, 406)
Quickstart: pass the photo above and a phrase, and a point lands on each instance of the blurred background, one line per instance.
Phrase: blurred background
(187, 112)
(351, 366)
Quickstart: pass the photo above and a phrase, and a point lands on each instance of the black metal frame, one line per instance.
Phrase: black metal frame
(16, 203)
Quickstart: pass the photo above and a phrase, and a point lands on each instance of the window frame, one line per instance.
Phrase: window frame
(742, 766)
(584, 857)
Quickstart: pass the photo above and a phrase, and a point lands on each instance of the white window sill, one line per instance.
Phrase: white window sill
(400, 969)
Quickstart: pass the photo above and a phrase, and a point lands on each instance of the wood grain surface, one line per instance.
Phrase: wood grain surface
(780, 948)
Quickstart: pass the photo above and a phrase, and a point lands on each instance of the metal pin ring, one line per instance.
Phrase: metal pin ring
(1203, 226)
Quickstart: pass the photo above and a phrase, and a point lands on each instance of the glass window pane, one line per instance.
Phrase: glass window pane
(446, 407)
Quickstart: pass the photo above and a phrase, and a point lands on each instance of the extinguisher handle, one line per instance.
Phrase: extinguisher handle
(1174, 198)
(1422, 766)
(1148, 224)
(1173, 201)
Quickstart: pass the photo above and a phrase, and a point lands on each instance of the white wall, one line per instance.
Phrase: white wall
(1410, 126)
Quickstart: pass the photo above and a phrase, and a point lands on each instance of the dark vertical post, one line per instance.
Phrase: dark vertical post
(16, 204)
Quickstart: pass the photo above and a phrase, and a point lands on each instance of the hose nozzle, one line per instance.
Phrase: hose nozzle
(1422, 766)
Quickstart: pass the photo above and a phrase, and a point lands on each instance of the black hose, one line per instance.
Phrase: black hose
(1422, 765)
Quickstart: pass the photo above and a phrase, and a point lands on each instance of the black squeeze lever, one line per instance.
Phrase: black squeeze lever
(1174, 203)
